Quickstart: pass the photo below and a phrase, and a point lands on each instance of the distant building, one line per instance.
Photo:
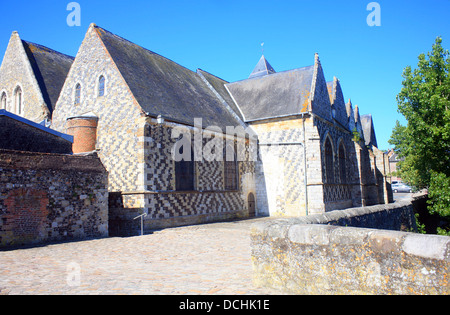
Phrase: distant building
(393, 161)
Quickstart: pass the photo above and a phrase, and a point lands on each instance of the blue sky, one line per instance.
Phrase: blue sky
(224, 38)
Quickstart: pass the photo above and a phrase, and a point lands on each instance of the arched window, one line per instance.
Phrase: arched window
(101, 86)
(329, 168)
(230, 168)
(78, 94)
(3, 101)
(18, 101)
(342, 164)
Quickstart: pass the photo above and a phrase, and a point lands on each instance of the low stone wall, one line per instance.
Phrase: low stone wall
(51, 197)
(300, 258)
(395, 217)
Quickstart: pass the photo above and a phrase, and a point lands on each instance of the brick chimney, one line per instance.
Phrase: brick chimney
(84, 131)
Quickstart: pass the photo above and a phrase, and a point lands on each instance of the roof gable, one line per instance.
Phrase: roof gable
(163, 87)
(320, 98)
(338, 106)
(369, 130)
(350, 116)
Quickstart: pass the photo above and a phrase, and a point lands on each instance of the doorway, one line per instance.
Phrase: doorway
(251, 205)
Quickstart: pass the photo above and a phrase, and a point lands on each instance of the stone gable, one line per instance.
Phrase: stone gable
(118, 112)
(16, 71)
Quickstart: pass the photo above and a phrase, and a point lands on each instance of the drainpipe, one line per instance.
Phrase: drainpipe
(305, 166)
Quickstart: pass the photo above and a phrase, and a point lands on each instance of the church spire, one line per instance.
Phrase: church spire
(262, 68)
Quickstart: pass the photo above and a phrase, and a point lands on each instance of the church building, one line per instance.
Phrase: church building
(283, 143)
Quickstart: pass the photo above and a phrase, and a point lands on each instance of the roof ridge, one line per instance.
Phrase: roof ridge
(274, 74)
(47, 49)
(146, 49)
(200, 69)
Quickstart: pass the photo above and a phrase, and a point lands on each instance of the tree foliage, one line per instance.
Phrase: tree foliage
(424, 143)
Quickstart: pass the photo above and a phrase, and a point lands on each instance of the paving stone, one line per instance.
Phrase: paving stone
(210, 259)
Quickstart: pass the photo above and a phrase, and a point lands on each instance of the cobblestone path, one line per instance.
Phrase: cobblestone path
(206, 259)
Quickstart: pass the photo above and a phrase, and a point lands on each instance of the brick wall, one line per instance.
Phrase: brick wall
(50, 197)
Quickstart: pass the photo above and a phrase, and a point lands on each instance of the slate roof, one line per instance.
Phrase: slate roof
(50, 69)
(262, 68)
(163, 87)
(275, 95)
(218, 85)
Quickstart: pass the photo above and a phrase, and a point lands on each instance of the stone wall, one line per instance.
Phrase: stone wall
(120, 125)
(50, 197)
(280, 172)
(209, 201)
(301, 257)
(16, 72)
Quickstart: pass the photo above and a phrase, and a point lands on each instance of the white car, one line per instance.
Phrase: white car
(400, 187)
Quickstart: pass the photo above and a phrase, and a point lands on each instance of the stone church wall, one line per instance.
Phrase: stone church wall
(338, 193)
(280, 168)
(164, 206)
(120, 125)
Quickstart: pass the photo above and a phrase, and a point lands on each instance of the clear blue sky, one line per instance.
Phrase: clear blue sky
(224, 37)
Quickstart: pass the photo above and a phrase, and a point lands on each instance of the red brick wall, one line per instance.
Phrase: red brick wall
(26, 215)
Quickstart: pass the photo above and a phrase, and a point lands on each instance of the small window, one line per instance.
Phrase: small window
(230, 168)
(101, 86)
(18, 99)
(78, 94)
(3, 101)
(185, 173)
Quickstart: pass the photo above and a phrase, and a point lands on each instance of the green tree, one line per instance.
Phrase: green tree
(424, 143)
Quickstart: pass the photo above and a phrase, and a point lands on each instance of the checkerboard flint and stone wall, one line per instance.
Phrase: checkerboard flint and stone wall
(135, 150)
(280, 169)
(210, 201)
(119, 115)
(51, 197)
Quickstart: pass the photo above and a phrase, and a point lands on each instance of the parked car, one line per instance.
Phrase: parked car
(400, 187)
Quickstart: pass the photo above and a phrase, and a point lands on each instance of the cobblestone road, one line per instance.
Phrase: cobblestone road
(206, 259)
